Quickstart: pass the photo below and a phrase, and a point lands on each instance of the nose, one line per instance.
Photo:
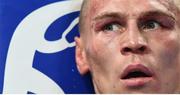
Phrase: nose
(135, 42)
(134, 48)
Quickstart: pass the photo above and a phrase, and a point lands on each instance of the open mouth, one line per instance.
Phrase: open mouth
(136, 75)
(136, 71)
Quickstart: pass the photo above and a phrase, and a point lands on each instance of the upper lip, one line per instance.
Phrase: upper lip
(136, 68)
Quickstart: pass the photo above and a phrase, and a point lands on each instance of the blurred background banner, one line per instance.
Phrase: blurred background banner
(37, 47)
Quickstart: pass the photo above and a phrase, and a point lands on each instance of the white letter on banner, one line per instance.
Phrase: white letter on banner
(28, 37)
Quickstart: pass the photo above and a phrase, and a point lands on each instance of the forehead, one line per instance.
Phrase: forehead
(133, 7)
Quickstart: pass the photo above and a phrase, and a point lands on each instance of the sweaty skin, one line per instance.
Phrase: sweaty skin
(117, 34)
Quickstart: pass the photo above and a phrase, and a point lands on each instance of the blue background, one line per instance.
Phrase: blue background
(60, 66)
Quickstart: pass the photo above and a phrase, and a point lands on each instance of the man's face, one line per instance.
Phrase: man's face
(131, 46)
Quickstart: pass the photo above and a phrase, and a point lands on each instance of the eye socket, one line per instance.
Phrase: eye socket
(112, 27)
(150, 25)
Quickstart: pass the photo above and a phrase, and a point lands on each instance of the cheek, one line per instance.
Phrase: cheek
(101, 47)
(171, 50)
(166, 49)
(100, 52)
(170, 53)
(97, 53)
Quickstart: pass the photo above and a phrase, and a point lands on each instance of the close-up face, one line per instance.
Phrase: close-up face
(130, 46)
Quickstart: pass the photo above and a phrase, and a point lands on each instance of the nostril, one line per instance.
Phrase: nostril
(142, 49)
(126, 49)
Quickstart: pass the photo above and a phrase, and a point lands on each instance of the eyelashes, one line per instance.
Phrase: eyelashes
(145, 25)
(111, 27)
(150, 25)
(157, 23)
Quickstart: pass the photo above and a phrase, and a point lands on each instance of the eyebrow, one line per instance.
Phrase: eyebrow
(157, 13)
(110, 15)
(143, 14)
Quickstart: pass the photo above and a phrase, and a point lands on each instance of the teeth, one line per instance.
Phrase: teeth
(135, 74)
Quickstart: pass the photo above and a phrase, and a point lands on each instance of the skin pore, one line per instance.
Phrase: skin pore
(117, 36)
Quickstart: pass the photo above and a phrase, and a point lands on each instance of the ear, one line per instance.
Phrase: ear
(81, 61)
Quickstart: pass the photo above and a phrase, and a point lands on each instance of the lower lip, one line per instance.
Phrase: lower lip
(136, 82)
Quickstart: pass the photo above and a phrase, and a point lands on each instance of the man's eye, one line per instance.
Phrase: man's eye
(112, 27)
(150, 25)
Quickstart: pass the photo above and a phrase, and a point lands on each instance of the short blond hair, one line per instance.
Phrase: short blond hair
(84, 8)
(177, 3)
